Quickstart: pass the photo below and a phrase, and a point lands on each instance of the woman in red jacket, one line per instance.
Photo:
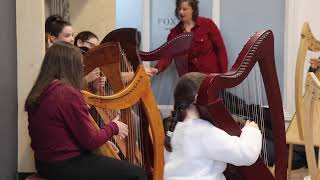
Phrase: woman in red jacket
(62, 136)
(208, 53)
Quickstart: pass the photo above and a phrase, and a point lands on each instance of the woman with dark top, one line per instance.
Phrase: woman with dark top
(208, 53)
(62, 136)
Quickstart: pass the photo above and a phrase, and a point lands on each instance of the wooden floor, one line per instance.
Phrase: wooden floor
(299, 174)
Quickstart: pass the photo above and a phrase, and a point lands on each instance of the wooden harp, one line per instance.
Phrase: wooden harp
(258, 50)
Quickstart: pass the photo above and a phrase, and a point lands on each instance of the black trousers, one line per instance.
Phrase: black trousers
(90, 166)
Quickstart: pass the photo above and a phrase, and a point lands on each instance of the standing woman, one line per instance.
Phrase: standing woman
(62, 136)
(208, 53)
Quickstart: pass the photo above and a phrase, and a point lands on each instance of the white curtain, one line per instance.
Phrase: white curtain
(60, 7)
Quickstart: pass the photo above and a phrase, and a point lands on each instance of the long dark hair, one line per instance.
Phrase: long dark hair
(184, 95)
(62, 61)
(192, 3)
(54, 25)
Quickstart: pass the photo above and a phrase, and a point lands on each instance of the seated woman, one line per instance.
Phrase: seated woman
(62, 136)
(86, 40)
(58, 29)
(197, 150)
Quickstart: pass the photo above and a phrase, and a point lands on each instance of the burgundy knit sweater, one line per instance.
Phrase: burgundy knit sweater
(60, 127)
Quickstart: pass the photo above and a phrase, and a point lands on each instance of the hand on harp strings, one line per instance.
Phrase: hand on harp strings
(314, 63)
(123, 128)
(251, 124)
(151, 71)
(93, 75)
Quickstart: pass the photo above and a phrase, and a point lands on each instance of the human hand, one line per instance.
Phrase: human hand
(101, 83)
(251, 124)
(123, 128)
(314, 62)
(151, 71)
(93, 75)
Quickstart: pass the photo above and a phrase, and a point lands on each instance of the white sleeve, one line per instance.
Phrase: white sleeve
(239, 151)
(166, 155)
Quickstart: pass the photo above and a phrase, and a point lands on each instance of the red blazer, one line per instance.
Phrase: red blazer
(208, 53)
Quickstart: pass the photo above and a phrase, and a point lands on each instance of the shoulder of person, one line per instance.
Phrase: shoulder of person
(66, 91)
(201, 124)
(201, 128)
(204, 21)
(176, 29)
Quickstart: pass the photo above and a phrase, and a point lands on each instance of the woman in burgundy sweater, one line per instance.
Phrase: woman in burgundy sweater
(208, 53)
(62, 136)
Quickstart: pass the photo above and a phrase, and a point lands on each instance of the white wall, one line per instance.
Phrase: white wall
(129, 14)
(98, 16)
(30, 50)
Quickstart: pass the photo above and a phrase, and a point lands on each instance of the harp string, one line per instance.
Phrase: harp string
(246, 102)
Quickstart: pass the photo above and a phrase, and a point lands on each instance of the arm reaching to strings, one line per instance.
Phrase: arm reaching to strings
(93, 75)
(239, 151)
(151, 71)
(164, 62)
(123, 128)
(78, 121)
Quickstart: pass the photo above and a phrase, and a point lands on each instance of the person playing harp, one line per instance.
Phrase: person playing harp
(255, 59)
(113, 63)
(195, 148)
(62, 135)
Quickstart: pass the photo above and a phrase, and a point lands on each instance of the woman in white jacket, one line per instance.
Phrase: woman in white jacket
(197, 150)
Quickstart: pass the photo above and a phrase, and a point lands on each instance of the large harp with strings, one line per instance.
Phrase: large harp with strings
(129, 39)
(143, 147)
(257, 54)
(305, 124)
(176, 48)
(144, 144)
